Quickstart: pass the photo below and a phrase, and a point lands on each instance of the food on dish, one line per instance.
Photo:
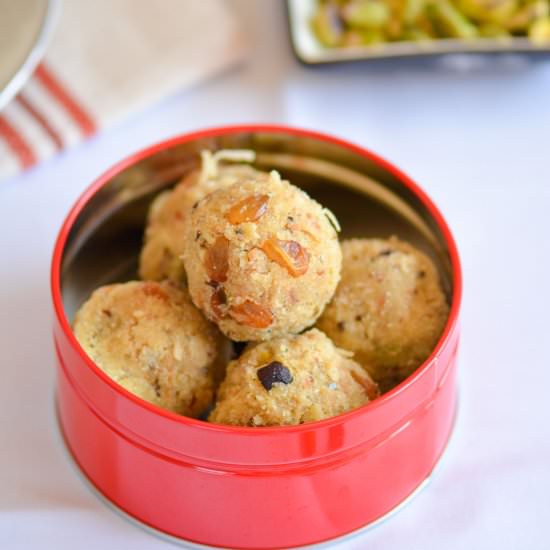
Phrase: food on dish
(291, 380)
(160, 257)
(344, 23)
(389, 308)
(262, 258)
(150, 338)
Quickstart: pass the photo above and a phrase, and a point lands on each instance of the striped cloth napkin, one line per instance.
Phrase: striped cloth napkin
(108, 59)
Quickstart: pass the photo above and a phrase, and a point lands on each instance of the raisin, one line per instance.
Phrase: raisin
(273, 373)
(216, 261)
(288, 254)
(251, 314)
(248, 210)
(218, 301)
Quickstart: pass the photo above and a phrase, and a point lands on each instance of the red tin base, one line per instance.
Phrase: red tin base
(255, 487)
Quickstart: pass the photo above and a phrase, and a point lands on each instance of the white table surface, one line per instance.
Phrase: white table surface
(477, 140)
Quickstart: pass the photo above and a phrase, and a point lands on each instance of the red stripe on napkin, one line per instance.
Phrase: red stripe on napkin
(41, 120)
(62, 95)
(16, 142)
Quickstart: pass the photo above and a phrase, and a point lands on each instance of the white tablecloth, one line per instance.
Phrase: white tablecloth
(476, 140)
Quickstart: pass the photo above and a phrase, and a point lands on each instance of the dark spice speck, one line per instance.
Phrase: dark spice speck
(386, 252)
(272, 373)
(341, 326)
(421, 274)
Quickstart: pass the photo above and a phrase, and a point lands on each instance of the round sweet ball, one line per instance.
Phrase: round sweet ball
(160, 256)
(291, 380)
(150, 338)
(262, 258)
(389, 308)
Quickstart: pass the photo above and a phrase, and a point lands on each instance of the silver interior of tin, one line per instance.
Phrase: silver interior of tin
(104, 242)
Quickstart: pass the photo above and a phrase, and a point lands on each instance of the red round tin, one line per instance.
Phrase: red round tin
(251, 487)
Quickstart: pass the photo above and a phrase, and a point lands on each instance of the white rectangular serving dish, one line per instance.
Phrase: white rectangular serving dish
(308, 49)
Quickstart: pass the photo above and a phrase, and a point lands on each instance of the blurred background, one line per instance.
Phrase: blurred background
(468, 118)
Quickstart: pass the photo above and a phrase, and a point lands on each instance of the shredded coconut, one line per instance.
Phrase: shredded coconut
(332, 219)
(235, 155)
(210, 160)
(345, 352)
(209, 165)
(275, 176)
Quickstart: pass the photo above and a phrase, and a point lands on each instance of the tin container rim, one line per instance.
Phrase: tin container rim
(217, 131)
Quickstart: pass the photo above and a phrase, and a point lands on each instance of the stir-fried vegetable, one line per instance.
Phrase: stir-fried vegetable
(338, 23)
